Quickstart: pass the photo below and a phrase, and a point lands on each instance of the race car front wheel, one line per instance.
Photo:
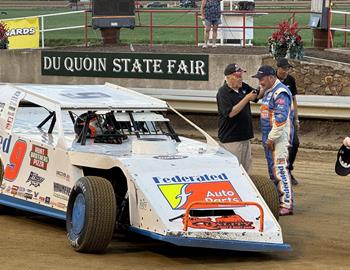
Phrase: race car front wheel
(269, 192)
(91, 214)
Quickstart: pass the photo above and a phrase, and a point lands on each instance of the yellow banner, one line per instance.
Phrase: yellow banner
(23, 33)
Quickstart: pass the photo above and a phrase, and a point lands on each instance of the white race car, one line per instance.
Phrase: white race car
(105, 158)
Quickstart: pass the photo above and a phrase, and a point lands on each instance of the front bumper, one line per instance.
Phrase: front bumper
(215, 243)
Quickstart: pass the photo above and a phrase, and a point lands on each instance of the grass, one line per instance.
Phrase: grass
(160, 35)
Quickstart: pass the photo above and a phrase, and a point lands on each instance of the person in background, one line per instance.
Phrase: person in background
(342, 164)
(283, 69)
(276, 120)
(235, 119)
(211, 17)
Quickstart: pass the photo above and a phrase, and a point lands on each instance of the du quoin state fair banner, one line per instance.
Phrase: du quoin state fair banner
(23, 33)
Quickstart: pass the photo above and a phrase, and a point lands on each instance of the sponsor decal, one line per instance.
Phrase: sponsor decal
(34, 179)
(39, 157)
(5, 143)
(47, 200)
(143, 204)
(3, 187)
(219, 223)
(282, 173)
(170, 157)
(21, 191)
(180, 191)
(28, 194)
(14, 190)
(11, 112)
(61, 205)
(2, 105)
(281, 101)
(61, 191)
(63, 175)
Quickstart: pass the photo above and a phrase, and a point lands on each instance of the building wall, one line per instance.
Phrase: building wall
(320, 77)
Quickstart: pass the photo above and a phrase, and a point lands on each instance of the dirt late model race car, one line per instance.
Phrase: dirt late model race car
(105, 158)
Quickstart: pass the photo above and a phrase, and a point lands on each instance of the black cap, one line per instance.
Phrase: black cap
(342, 165)
(283, 63)
(232, 68)
(263, 71)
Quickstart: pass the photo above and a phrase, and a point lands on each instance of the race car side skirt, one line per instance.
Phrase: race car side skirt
(31, 207)
(215, 243)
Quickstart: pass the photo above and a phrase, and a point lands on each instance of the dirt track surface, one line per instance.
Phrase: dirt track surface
(319, 233)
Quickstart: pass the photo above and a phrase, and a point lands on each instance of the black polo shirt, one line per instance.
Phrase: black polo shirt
(289, 81)
(239, 127)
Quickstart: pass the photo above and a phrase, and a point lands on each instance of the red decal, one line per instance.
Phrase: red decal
(219, 223)
(16, 159)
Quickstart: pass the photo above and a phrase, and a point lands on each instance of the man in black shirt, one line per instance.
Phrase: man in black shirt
(283, 68)
(235, 120)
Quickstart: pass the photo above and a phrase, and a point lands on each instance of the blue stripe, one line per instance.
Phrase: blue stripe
(31, 207)
(215, 243)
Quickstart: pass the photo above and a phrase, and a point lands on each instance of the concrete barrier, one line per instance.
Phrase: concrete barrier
(24, 66)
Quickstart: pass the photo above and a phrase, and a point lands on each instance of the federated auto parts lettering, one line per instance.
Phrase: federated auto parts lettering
(180, 191)
(5, 144)
(192, 178)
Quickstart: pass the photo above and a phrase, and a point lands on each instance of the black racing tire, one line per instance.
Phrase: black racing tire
(268, 191)
(91, 214)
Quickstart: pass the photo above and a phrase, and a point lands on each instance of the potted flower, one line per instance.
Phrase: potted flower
(286, 42)
(4, 42)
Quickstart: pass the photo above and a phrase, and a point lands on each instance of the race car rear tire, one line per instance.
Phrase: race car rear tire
(268, 191)
(91, 214)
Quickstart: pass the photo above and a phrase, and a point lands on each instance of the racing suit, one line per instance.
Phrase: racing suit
(276, 119)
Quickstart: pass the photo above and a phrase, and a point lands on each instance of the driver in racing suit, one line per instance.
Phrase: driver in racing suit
(276, 119)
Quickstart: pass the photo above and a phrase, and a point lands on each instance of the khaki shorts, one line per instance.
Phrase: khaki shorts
(242, 150)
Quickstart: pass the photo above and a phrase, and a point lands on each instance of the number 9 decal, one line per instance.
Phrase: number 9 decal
(15, 161)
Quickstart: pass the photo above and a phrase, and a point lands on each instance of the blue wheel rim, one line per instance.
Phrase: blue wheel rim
(78, 215)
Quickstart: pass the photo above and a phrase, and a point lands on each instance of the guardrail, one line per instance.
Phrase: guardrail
(204, 101)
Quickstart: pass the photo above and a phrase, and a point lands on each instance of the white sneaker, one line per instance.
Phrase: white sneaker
(205, 45)
(214, 45)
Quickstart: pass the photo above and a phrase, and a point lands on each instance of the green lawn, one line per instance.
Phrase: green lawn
(160, 35)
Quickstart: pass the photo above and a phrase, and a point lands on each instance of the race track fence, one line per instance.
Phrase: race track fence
(204, 101)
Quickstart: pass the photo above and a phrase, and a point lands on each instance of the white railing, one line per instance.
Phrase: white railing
(204, 101)
(43, 30)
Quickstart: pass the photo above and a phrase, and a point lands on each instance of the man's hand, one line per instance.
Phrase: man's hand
(346, 142)
(252, 96)
(270, 144)
(297, 125)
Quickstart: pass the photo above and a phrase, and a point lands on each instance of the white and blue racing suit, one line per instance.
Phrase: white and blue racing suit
(276, 118)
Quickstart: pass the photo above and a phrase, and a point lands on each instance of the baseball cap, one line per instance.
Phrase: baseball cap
(283, 63)
(232, 68)
(342, 165)
(263, 71)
